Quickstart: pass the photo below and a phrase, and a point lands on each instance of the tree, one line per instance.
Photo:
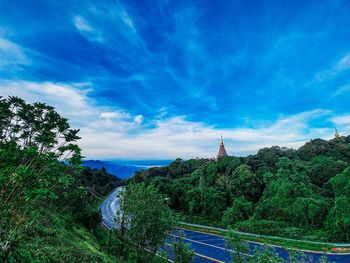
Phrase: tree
(289, 196)
(210, 173)
(205, 200)
(227, 164)
(264, 254)
(36, 125)
(238, 247)
(338, 220)
(341, 183)
(241, 209)
(181, 250)
(267, 158)
(148, 219)
(243, 182)
(309, 211)
(336, 148)
(39, 165)
(322, 168)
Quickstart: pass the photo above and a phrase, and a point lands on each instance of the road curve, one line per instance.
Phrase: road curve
(109, 208)
(208, 247)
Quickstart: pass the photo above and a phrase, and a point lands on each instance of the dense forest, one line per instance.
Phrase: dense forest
(300, 193)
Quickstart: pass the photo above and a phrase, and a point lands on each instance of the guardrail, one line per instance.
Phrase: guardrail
(326, 246)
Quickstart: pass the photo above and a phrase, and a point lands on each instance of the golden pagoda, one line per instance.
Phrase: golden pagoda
(336, 134)
(222, 151)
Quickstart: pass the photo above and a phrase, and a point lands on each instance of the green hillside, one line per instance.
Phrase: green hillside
(278, 191)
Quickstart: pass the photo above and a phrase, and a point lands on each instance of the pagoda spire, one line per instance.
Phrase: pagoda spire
(336, 134)
(222, 151)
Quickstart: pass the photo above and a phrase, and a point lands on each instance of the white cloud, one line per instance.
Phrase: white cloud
(138, 119)
(344, 63)
(341, 120)
(115, 115)
(341, 90)
(127, 20)
(81, 24)
(87, 30)
(113, 133)
(69, 100)
(177, 137)
(11, 55)
(341, 65)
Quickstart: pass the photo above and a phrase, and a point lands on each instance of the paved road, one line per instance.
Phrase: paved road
(109, 208)
(208, 247)
(213, 247)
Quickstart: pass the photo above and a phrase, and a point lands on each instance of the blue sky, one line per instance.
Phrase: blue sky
(163, 79)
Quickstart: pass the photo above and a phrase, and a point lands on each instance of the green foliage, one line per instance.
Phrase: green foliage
(30, 179)
(227, 164)
(243, 182)
(267, 158)
(266, 227)
(181, 250)
(239, 248)
(339, 219)
(99, 182)
(38, 126)
(322, 168)
(336, 148)
(240, 210)
(264, 254)
(46, 212)
(290, 197)
(341, 183)
(292, 190)
(146, 220)
(205, 200)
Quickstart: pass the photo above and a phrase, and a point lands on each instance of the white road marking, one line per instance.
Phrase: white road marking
(201, 255)
(209, 245)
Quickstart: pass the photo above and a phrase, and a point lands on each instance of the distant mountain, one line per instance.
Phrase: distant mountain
(124, 169)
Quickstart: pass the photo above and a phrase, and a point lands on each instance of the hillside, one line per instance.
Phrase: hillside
(49, 204)
(278, 191)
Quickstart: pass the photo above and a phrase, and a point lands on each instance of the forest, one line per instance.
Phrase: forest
(302, 194)
(49, 209)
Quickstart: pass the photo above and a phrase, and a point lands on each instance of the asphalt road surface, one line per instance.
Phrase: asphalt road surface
(109, 208)
(208, 247)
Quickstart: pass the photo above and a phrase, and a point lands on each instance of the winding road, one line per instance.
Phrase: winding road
(207, 247)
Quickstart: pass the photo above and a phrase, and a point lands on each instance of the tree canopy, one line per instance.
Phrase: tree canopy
(295, 192)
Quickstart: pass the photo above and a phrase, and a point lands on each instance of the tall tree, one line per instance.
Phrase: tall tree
(39, 163)
(148, 219)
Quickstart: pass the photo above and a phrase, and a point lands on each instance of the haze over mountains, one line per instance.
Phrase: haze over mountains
(124, 169)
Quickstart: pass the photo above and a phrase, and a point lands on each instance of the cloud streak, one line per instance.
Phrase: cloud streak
(162, 79)
(113, 133)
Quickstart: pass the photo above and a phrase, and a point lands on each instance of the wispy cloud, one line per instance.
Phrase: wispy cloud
(114, 133)
(86, 29)
(341, 90)
(341, 120)
(70, 100)
(127, 20)
(12, 56)
(340, 66)
(81, 24)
